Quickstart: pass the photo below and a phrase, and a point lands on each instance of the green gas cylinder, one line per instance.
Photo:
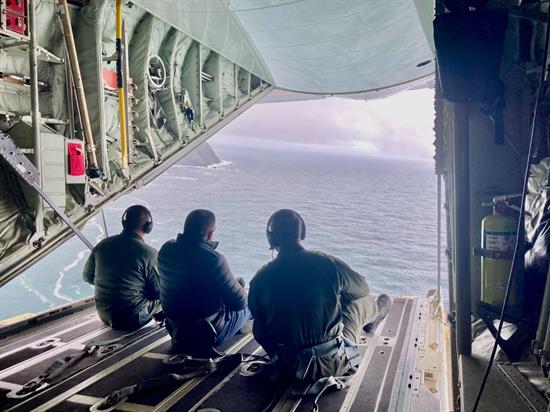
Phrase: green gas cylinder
(498, 236)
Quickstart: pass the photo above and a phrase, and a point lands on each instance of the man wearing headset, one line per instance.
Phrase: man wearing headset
(309, 307)
(198, 291)
(123, 269)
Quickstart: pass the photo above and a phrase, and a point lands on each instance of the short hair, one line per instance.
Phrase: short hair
(135, 217)
(198, 223)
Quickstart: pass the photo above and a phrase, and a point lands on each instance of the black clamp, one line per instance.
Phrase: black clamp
(493, 254)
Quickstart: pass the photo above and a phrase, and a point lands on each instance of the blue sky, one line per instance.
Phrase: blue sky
(398, 126)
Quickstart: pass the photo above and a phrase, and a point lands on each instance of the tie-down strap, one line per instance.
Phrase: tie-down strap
(306, 356)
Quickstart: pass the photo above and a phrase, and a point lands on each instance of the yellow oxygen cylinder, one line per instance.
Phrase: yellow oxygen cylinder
(498, 236)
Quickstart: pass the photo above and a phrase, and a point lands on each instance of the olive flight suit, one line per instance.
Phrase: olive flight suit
(123, 269)
(305, 299)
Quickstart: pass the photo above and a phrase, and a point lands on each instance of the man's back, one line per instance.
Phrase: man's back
(298, 296)
(122, 268)
(309, 307)
(195, 280)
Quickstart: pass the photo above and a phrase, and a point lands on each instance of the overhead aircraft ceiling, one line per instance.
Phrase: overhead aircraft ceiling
(313, 46)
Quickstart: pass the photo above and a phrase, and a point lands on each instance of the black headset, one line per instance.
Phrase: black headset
(274, 238)
(147, 226)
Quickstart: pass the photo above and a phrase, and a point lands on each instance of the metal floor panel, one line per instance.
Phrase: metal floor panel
(38, 360)
(204, 391)
(72, 383)
(21, 356)
(376, 387)
(369, 389)
(500, 393)
(399, 349)
(64, 332)
(239, 392)
(44, 327)
(43, 343)
(136, 371)
(226, 389)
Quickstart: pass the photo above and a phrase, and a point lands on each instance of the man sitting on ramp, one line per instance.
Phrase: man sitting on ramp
(203, 301)
(123, 269)
(309, 307)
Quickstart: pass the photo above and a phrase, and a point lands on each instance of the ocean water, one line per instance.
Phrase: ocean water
(378, 215)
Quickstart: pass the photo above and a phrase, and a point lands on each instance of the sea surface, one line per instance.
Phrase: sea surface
(378, 215)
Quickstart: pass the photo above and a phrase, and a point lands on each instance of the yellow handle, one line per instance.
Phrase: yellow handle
(120, 86)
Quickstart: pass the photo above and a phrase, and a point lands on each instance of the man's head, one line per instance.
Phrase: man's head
(285, 228)
(200, 224)
(137, 219)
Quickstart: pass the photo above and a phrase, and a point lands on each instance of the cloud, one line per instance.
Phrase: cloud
(398, 126)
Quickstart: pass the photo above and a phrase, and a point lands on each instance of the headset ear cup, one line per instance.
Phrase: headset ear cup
(123, 219)
(148, 227)
(274, 238)
(269, 234)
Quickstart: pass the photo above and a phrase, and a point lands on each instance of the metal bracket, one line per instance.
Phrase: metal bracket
(28, 172)
(519, 338)
(493, 254)
(21, 46)
(523, 387)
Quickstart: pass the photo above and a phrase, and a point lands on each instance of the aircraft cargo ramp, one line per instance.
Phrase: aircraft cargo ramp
(402, 368)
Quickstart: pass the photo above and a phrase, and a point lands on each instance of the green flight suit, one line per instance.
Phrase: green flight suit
(305, 298)
(123, 269)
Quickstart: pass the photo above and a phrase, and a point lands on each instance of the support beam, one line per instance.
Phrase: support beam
(125, 83)
(439, 178)
(79, 86)
(199, 71)
(35, 116)
(461, 206)
(236, 84)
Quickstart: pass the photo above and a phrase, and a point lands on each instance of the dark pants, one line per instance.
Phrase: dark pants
(199, 334)
(124, 319)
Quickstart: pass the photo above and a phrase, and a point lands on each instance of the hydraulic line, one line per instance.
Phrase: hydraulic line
(120, 87)
(439, 237)
(545, 332)
(520, 229)
(104, 222)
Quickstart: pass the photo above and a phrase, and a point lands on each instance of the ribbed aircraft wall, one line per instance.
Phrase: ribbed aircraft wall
(178, 93)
